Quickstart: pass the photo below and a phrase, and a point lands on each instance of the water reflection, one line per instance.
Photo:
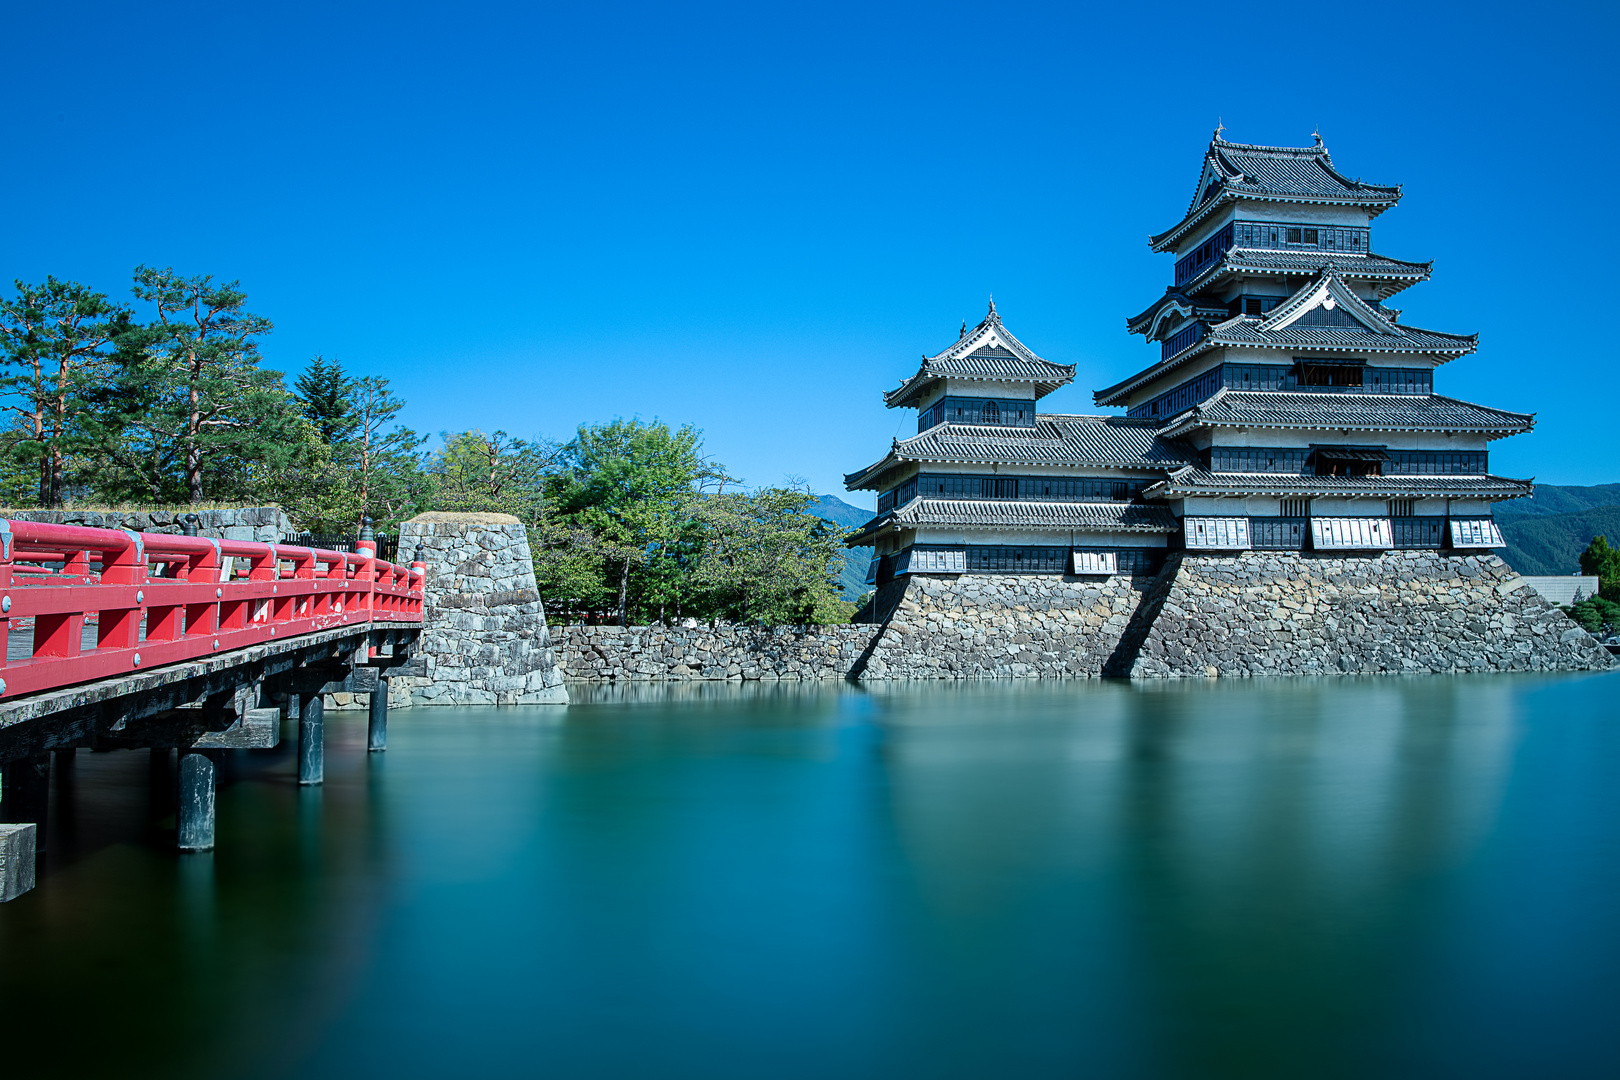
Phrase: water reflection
(1329, 878)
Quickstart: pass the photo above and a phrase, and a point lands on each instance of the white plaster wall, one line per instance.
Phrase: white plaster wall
(985, 388)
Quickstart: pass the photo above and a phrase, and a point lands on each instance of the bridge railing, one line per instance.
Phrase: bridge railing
(156, 598)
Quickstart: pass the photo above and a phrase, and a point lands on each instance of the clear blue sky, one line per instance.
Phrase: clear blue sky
(755, 218)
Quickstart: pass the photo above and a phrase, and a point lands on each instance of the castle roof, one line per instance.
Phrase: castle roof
(990, 352)
(1307, 410)
(1323, 315)
(1056, 439)
(1290, 174)
(1022, 514)
(1263, 261)
(1198, 481)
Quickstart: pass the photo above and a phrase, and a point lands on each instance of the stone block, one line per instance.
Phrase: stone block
(16, 860)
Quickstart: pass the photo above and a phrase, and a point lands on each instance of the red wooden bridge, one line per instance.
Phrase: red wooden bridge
(117, 640)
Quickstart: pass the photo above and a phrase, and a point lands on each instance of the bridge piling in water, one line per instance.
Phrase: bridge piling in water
(194, 806)
(377, 729)
(311, 739)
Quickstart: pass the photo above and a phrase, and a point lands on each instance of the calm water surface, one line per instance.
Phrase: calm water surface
(1395, 878)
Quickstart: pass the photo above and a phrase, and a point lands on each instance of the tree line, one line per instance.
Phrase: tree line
(164, 400)
(1600, 614)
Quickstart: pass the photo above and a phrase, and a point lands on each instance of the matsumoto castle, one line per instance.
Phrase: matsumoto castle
(1290, 409)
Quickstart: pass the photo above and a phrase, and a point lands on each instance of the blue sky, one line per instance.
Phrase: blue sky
(755, 218)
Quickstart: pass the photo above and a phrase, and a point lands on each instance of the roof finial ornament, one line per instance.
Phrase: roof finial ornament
(1317, 134)
(1220, 126)
(993, 314)
(963, 334)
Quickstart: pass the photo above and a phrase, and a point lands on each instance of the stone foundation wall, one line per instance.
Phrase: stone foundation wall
(1398, 613)
(710, 652)
(484, 636)
(1006, 626)
(262, 524)
(1251, 614)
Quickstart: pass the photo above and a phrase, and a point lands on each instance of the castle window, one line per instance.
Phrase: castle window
(1296, 508)
(992, 414)
(1293, 236)
(1310, 236)
(1402, 508)
(994, 488)
(1329, 374)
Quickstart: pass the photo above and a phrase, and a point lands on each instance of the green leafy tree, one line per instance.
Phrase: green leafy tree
(190, 412)
(766, 560)
(478, 473)
(382, 453)
(632, 487)
(56, 342)
(1601, 561)
(349, 459)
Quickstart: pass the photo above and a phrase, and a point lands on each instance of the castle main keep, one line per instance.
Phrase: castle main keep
(1289, 408)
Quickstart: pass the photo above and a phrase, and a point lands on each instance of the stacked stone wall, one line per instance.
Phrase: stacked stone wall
(962, 628)
(1253, 614)
(712, 652)
(1398, 613)
(1006, 626)
(484, 636)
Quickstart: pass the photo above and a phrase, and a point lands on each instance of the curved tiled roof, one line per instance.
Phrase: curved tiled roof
(1246, 332)
(1295, 263)
(1010, 513)
(1273, 174)
(1056, 439)
(1200, 481)
(1362, 329)
(1340, 411)
(1292, 263)
(987, 351)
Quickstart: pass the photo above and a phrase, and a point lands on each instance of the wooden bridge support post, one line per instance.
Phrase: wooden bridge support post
(377, 731)
(194, 809)
(25, 793)
(311, 744)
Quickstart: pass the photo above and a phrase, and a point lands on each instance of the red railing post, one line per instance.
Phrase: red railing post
(5, 591)
(120, 627)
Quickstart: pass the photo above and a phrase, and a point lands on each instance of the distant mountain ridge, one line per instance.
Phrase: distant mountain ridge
(1551, 499)
(832, 508)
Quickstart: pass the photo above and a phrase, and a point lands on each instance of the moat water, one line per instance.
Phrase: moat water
(1349, 878)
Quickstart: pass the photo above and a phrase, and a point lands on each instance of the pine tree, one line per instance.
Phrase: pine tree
(190, 413)
(325, 396)
(55, 345)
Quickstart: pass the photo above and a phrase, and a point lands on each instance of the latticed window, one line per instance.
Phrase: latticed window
(1402, 508)
(1018, 560)
(992, 413)
(1296, 508)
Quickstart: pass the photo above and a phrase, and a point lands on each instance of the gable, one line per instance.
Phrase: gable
(1327, 301)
